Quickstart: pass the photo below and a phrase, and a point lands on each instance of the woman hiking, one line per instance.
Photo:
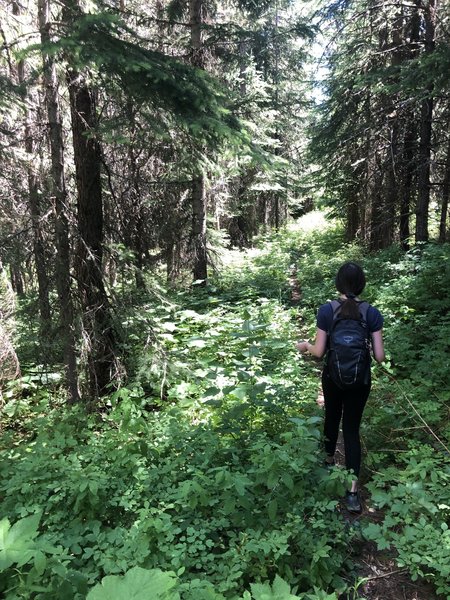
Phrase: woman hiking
(346, 379)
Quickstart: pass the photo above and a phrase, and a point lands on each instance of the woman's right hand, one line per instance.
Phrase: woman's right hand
(302, 346)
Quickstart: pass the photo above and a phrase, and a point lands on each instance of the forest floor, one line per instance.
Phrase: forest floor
(208, 464)
(375, 572)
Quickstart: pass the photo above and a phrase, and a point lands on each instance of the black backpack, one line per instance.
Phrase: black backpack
(348, 357)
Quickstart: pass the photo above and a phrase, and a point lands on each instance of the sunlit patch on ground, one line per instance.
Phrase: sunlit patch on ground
(312, 221)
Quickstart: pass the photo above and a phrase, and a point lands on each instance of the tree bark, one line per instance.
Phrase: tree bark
(426, 128)
(199, 229)
(352, 219)
(38, 238)
(392, 196)
(445, 198)
(406, 191)
(409, 151)
(34, 207)
(17, 282)
(38, 243)
(199, 205)
(96, 311)
(55, 134)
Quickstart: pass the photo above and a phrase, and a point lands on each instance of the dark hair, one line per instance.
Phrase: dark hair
(350, 280)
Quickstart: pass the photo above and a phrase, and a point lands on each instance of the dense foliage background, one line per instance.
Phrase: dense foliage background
(208, 464)
(177, 195)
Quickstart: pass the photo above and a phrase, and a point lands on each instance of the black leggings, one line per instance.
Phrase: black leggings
(349, 405)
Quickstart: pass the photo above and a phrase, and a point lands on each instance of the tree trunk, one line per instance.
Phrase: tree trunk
(392, 196)
(426, 127)
(200, 267)
(445, 198)
(96, 312)
(377, 214)
(352, 220)
(38, 246)
(38, 239)
(55, 133)
(409, 151)
(36, 222)
(17, 282)
(277, 211)
(408, 170)
(423, 183)
(199, 229)
(364, 203)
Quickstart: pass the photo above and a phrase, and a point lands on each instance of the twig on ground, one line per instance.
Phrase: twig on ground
(367, 579)
(428, 428)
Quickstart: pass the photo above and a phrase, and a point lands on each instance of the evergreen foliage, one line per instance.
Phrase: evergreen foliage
(149, 76)
(379, 140)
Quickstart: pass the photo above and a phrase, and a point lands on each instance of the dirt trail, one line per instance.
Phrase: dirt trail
(379, 576)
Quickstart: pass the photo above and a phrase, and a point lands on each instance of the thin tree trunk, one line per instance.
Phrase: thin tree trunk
(55, 133)
(200, 268)
(383, 214)
(408, 160)
(38, 244)
(199, 229)
(365, 202)
(36, 223)
(392, 196)
(38, 239)
(426, 128)
(423, 183)
(135, 220)
(352, 220)
(377, 208)
(409, 153)
(445, 198)
(277, 211)
(17, 282)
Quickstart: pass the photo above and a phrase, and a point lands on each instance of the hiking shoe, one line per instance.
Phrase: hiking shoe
(353, 502)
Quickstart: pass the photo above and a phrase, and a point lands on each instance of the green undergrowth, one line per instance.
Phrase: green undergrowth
(203, 477)
(406, 425)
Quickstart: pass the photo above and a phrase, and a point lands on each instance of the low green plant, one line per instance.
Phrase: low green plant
(204, 473)
(415, 500)
(137, 583)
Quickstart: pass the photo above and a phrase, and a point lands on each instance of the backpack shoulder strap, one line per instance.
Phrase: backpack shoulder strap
(364, 309)
(335, 305)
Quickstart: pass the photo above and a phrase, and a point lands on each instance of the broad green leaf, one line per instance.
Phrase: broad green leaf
(16, 543)
(373, 532)
(196, 343)
(280, 590)
(136, 584)
(40, 562)
(4, 528)
(272, 509)
(211, 391)
(240, 392)
(26, 528)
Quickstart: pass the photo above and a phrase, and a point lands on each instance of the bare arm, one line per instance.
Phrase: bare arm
(319, 346)
(378, 346)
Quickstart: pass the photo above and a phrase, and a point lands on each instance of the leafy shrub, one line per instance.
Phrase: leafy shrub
(415, 500)
(204, 474)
